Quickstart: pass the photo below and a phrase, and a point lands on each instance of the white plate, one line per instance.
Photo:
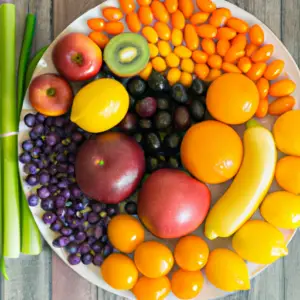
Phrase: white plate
(91, 273)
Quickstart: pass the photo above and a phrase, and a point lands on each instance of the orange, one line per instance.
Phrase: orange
(153, 259)
(125, 233)
(212, 151)
(152, 288)
(119, 272)
(191, 253)
(232, 99)
(187, 284)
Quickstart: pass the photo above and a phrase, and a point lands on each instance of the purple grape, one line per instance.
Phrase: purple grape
(146, 107)
(80, 236)
(108, 249)
(59, 121)
(43, 164)
(87, 259)
(60, 202)
(53, 180)
(62, 185)
(93, 218)
(98, 260)
(27, 145)
(53, 170)
(59, 148)
(52, 139)
(49, 121)
(39, 143)
(49, 218)
(61, 157)
(182, 119)
(31, 169)
(79, 206)
(47, 204)
(71, 169)
(62, 168)
(97, 247)
(70, 212)
(90, 231)
(30, 120)
(33, 200)
(66, 194)
(97, 207)
(131, 208)
(71, 158)
(72, 147)
(104, 239)
(84, 248)
(75, 191)
(43, 192)
(60, 132)
(40, 118)
(38, 129)
(72, 238)
(77, 137)
(99, 231)
(66, 231)
(34, 136)
(91, 240)
(52, 188)
(74, 259)
(70, 127)
(61, 212)
(35, 152)
(61, 242)
(129, 123)
(111, 211)
(32, 180)
(25, 158)
(44, 178)
(72, 248)
(76, 223)
(56, 226)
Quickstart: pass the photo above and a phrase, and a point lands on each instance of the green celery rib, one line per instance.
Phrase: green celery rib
(9, 120)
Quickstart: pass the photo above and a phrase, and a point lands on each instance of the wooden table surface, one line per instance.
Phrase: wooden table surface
(46, 277)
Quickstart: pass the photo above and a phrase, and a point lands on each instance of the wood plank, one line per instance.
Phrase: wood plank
(30, 275)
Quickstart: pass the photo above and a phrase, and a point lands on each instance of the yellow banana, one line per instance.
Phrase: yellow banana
(249, 187)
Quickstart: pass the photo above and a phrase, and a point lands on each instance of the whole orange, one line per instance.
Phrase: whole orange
(232, 99)
(212, 152)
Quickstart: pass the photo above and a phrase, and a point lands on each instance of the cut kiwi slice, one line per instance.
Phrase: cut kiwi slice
(127, 54)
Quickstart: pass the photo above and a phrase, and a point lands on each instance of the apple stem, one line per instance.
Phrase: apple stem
(101, 162)
(51, 92)
(78, 59)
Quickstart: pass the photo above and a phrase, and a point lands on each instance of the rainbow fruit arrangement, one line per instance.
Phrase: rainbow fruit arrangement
(138, 128)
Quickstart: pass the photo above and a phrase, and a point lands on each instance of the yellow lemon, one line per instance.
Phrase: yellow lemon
(100, 105)
(227, 271)
(282, 209)
(259, 242)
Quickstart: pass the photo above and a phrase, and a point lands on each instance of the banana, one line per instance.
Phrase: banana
(249, 187)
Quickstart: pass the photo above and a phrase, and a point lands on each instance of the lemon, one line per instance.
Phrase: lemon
(259, 242)
(282, 209)
(100, 105)
(227, 271)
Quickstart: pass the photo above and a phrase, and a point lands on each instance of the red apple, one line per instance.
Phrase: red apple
(109, 167)
(77, 57)
(172, 204)
(50, 95)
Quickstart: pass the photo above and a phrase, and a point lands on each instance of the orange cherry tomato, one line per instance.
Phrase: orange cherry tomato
(150, 34)
(256, 35)
(114, 28)
(178, 19)
(176, 37)
(173, 61)
(263, 54)
(244, 64)
(208, 46)
(206, 5)
(274, 69)
(206, 31)
(201, 70)
(281, 105)
(182, 52)
(226, 33)
(164, 48)
(153, 259)
(199, 57)
(238, 25)
(257, 71)
(190, 37)
(250, 49)
(152, 289)
(222, 47)
(199, 18)
(186, 284)
(145, 15)
(145, 74)
(219, 17)
(240, 41)
(215, 61)
(159, 11)
(186, 79)
(112, 13)
(230, 68)
(144, 2)
(133, 22)
(159, 64)
(233, 54)
(163, 31)
(96, 24)
(187, 7)
(282, 88)
(213, 74)
(127, 6)
(262, 108)
(263, 86)
(171, 5)
(99, 38)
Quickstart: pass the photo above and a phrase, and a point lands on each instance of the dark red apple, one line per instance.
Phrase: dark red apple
(50, 95)
(110, 167)
(77, 57)
(172, 204)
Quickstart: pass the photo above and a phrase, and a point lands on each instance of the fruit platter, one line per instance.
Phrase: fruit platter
(159, 151)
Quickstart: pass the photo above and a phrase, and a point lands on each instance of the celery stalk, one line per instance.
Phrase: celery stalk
(10, 182)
